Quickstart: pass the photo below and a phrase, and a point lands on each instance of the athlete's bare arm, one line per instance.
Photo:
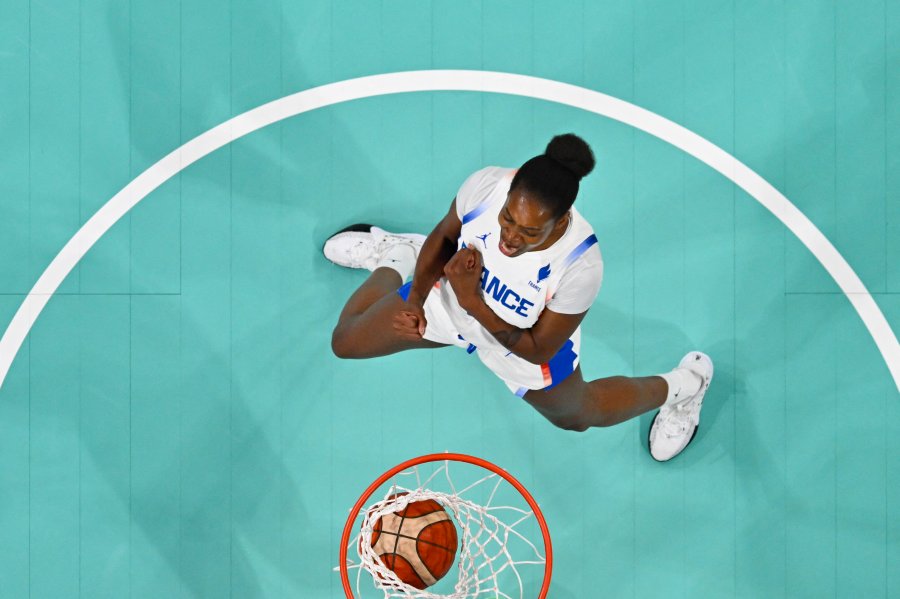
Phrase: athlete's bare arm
(439, 247)
(435, 253)
(537, 344)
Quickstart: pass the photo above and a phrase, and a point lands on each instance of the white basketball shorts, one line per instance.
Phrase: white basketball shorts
(519, 374)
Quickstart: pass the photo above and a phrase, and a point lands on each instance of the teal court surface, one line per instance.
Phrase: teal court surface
(174, 423)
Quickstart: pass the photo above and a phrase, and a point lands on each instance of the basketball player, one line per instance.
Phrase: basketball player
(509, 274)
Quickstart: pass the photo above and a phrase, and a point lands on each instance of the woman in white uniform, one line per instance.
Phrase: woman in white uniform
(509, 274)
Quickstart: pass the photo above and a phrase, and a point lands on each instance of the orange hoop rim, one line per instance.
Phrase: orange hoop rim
(444, 457)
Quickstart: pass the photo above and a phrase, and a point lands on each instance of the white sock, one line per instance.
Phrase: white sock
(400, 257)
(682, 384)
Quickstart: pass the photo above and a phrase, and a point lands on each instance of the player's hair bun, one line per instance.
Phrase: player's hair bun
(573, 153)
(554, 176)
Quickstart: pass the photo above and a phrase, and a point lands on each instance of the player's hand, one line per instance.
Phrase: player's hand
(463, 271)
(410, 322)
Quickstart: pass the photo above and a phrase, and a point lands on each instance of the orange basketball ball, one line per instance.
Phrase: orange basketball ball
(418, 543)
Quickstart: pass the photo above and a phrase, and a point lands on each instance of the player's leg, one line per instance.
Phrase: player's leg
(575, 404)
(365, 328)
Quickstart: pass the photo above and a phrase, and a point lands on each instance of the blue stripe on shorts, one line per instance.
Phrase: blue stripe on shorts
(562, 364)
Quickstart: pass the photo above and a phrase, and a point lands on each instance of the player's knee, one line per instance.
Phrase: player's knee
(341, 344)
(571, 424)
(578, 427)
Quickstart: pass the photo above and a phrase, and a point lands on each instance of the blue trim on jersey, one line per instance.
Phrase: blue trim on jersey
(475, 212)
(578, 251)
(471, 348)
(563, 363)
(522, 391)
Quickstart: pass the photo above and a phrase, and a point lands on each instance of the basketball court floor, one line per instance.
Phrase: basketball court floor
(174, 423)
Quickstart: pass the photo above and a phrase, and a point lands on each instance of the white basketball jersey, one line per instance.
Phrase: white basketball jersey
(516, 288)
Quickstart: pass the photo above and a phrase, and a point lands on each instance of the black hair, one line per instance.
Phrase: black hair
(554, 175)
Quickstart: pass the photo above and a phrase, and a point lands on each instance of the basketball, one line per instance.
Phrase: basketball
(417, 543)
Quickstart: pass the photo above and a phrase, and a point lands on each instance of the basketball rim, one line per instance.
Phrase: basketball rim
(442, 457)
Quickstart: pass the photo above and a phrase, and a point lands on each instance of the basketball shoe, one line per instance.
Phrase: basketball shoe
(676, 424)
(367, 246)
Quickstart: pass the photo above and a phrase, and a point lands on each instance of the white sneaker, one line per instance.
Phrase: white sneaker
(675, 425)
(362, 246)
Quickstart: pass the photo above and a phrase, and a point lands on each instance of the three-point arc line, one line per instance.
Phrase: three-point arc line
(451, 80)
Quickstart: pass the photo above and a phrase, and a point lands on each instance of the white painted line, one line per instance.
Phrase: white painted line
(448, 80)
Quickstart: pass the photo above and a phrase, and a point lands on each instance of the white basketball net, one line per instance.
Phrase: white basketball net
(486, 532)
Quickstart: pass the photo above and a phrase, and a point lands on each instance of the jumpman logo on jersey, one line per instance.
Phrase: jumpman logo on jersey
(483, 238)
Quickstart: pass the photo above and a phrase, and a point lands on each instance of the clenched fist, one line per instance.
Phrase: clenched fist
(463, 271)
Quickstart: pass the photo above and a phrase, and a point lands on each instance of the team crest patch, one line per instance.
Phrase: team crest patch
(543, 273)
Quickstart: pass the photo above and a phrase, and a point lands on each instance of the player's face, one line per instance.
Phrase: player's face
(525, 225)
